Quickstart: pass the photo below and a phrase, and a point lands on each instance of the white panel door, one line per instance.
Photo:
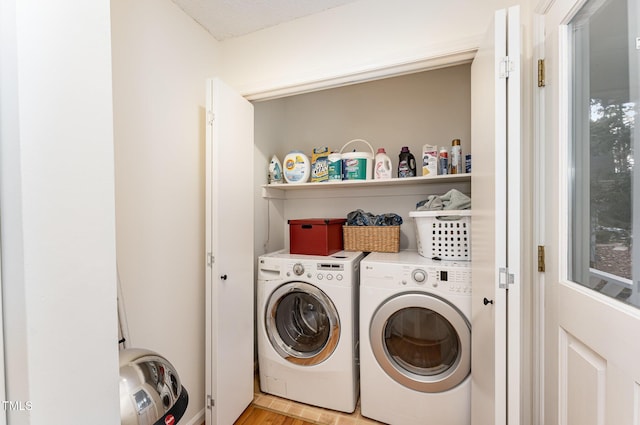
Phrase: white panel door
(229, 247)
(495, 130)
(590, 329)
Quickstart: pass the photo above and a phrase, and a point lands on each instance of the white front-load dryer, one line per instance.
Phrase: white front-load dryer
(308, 328)
(415, 339)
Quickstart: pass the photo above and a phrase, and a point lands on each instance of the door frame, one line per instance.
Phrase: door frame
(539, 208)
(381, 71)
(539, 224)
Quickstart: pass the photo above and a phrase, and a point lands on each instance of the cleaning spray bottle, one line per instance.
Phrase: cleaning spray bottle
(382, 169)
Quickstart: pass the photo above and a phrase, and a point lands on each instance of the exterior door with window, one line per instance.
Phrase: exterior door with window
(590, 197)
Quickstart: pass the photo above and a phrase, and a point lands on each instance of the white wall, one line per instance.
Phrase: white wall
(161, 59)
(58, 221)
(353, 39)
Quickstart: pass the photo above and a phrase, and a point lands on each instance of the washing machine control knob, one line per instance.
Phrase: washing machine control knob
(298, 269)
(419, 276)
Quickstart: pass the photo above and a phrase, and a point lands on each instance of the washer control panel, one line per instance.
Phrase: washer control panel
(452, 279)
(320, 271)
(342, 268)
(330, 271)
(298, 269)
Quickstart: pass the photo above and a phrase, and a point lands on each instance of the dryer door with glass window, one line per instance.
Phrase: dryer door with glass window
(302, 323)
(422, 342)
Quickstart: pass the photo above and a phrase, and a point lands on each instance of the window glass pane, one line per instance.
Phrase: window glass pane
(604, 108)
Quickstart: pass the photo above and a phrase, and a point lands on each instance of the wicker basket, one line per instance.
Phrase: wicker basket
(371, 238)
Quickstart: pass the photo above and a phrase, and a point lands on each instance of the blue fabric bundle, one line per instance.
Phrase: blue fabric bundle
(362, 218)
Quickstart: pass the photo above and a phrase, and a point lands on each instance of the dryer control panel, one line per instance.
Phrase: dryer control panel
(451, 278)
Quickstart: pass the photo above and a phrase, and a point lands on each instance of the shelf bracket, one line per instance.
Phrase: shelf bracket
(273, 193)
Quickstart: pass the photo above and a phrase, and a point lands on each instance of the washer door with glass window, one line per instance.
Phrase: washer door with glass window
(302, 323)
(422, 342)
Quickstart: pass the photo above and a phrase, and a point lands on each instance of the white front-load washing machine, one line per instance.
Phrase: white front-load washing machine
(415, 339)
(308, 328)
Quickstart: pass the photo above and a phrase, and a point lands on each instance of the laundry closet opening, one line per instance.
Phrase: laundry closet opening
(429, 107)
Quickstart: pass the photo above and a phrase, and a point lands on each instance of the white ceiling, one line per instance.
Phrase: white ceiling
(232, 18)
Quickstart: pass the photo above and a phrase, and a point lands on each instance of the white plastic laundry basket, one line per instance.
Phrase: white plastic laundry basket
(444, 234)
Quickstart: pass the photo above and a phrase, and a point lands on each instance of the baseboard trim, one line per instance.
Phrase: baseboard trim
(198, 419)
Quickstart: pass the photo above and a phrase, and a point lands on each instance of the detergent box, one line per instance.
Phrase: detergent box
(320, 164)
(429, 160)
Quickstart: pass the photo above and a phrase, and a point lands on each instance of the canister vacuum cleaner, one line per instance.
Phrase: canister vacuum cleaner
(150, 390)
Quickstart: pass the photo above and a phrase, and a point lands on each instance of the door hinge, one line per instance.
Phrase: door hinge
(505, 67)
(210, 259)
(210, 402)
(541, 73)
(210, 117)
(541, 265)
(505, 278)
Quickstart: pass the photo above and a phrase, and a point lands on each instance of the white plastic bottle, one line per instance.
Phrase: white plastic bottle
(382, 169)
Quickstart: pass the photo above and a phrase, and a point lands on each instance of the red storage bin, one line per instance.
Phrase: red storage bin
(315, 236)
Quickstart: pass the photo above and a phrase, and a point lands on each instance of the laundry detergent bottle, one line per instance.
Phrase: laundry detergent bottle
(275, 171)
(297, 167)
(382, 169)
(407, 163)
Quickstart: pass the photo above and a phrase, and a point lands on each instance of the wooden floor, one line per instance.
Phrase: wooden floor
(272, 410)
(255, 415)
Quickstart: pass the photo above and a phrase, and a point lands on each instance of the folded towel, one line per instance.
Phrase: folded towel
(452, 200)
